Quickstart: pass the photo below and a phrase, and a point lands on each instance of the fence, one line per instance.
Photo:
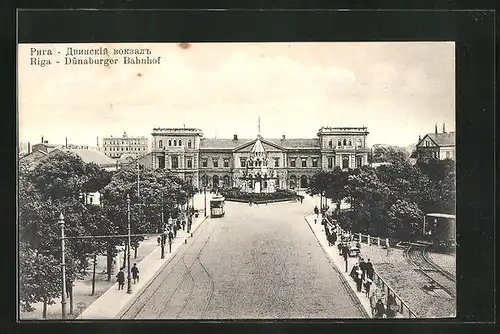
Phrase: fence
(387, 294)
(392, 298)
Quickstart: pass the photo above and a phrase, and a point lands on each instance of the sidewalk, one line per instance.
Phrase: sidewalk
(338, 261)
(113, 301)
(82, 289)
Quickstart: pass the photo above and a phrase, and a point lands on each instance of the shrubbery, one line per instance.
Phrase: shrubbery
(236, 194)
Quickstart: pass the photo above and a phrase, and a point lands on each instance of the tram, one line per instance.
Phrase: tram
(440, 229)
(217, 207)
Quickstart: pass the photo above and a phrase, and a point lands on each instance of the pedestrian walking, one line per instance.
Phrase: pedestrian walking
(379, 309)
(183, 224)
(135, 273)
(120, 277)
(359, 279)
(362, 266)
(367, 285)
(159, 240)
(339, 246)
(369, 270)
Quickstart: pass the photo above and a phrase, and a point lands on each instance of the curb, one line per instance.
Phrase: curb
(127, 306)
(154, 252)
(349, 288)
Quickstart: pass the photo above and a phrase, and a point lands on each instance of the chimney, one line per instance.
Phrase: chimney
(419, 138)
(42, 139)
(97, 142)
(29, 147)
(444, 128)
(66, 142)
(436, 128)
(283, 137)
(235, 137)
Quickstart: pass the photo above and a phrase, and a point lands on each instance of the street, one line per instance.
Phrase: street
(256, 262)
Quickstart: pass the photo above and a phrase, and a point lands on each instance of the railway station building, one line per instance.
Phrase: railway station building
(259, 164)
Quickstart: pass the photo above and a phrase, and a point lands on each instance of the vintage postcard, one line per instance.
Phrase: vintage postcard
(236, 180)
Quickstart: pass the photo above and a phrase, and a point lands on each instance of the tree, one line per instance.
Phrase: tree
(405, 219)
(52, 187)
(39, 278)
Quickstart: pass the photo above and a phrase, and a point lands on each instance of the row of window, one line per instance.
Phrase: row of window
(293, 162)
(124, 142)
(345, 142)
(121, 149)
(215, 162)
(174, 142)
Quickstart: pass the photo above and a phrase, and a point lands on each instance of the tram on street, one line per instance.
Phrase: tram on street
(217, 207)
(439, 229)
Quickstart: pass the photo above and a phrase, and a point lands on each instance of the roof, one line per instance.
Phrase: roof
(257, 147)
(440, 215)
(93, 156)
(287, 143)
(222, 143)
(443, 139)
(296, 142)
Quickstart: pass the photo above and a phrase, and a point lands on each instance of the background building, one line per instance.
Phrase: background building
(436, 145)
(268, 164)
(115, 147)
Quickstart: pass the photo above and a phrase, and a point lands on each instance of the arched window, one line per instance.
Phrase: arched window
(175, 142)
(359, 144)
(303, 181)
(204, 180)
(293, 181)
(350, 142)
(330, 143)
(215, 181)
(344, 142)
(160, 143)
(180, 142)
(170, 143)
(339, 142)
(189, 143)
(226, 181)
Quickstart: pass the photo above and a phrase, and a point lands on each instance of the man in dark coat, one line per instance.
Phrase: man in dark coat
(120, 277)
(369, 269)
(362, 266)
(135, 272)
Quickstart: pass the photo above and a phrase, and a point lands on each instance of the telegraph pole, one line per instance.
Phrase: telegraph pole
(129, 278)
(63, 267)
(205, 191)
(138, 194)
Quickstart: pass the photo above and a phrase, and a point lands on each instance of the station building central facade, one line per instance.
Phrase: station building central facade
(264, 163)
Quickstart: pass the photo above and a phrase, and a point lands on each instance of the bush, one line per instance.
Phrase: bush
(236, 194)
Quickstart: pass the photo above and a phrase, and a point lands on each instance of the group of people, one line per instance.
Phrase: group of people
(362, 272)
(120, 277)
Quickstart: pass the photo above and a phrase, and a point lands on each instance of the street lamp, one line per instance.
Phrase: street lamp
(205, 191)
(129, 278)
(63, 267)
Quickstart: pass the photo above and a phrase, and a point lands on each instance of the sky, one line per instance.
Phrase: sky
(397, 90)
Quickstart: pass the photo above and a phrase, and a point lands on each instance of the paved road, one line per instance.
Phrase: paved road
(256, 262)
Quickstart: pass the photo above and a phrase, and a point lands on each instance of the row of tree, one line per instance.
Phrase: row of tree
(390, 200)
(60, 184)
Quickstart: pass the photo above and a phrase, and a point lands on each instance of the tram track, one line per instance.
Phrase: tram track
(440, 278)
(187, 273)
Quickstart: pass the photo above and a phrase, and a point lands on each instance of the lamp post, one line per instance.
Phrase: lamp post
(129, 278)
(205, 192)
(63, 267)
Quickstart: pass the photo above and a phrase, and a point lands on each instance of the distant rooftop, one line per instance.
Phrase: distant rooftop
(443, 139)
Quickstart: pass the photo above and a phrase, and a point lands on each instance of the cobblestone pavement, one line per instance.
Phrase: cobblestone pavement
(256, 262)
(408, 282)
(445, 261)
